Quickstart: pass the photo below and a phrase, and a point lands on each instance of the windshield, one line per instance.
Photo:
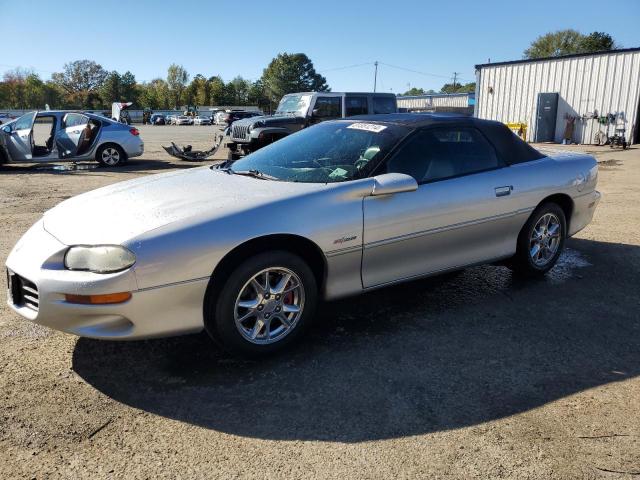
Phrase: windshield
(328, 152)
(294, 104)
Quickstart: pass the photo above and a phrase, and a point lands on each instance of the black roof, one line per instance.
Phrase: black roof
(561, 57)
(509, 146)
(419, 119)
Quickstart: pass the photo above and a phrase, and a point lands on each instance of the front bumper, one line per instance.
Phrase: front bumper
(160, 311)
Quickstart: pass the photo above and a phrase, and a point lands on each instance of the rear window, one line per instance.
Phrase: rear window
(384, 105)
(356, 106)
(74, 119)
(511, 148)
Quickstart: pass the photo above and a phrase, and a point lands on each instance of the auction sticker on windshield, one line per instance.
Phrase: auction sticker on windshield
(369, 127)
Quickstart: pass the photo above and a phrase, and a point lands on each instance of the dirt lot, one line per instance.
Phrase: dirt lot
(474, 376)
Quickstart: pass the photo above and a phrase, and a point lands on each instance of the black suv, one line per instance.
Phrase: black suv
(300, 110)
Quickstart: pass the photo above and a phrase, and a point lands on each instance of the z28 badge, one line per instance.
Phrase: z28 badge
(344, 239)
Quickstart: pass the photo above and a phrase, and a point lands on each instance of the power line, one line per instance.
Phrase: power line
(415, 71)
(392, 66)
(427, 73)
(345, 67)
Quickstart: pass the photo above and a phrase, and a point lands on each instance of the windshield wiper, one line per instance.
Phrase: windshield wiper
(223, 167)
(254, 173)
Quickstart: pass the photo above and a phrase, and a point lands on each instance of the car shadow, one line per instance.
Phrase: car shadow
(427, 356)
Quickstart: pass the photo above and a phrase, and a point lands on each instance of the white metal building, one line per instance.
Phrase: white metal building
(575, 86)
(436, 100)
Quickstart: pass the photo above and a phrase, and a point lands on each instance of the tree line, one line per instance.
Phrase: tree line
(85, 84)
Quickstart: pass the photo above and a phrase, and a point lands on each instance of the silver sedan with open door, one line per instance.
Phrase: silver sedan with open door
(74, 136)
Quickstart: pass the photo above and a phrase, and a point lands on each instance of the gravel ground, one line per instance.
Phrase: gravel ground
(478, 375)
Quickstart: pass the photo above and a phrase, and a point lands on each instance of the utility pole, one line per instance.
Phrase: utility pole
(375, 76)
(455, 77)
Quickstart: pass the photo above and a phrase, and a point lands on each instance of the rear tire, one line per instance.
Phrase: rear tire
(110, 155)
(264, 305)
(541, 241)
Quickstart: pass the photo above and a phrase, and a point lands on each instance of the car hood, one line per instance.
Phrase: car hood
(270, 120)
(120, 212)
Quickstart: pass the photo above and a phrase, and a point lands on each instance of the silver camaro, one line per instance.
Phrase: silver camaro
(245, 251)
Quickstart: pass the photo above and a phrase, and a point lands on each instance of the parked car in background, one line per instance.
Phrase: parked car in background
(183, 120)
(198, 120)
(158, 119)
(170, 119)
(300, 110)
(6, 117)
(217, 117)
(61, 135)
(365, 203)
(212, 114)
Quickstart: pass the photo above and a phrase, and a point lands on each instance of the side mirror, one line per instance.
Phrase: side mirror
(315, 112)
(393, 183)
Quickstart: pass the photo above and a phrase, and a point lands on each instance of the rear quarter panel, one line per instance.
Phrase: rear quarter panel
(568, 173)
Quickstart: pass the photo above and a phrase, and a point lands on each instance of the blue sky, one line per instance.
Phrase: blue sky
(230, 38)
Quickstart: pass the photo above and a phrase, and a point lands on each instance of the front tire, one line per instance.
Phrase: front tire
(265, 304)
(541, 241)
(110, 155)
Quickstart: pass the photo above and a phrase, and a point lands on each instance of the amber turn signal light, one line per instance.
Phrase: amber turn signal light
(105, 299)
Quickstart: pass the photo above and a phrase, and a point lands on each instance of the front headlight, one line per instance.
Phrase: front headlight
(99, 258)
(255, 125)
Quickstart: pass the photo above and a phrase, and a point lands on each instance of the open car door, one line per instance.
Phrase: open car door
(117, 109)
(71, 134)
(19, 135)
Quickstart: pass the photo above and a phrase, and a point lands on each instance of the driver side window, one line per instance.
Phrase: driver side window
(440, 153)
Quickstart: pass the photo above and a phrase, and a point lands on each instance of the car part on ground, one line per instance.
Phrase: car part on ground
(417, 195)
(188, 154)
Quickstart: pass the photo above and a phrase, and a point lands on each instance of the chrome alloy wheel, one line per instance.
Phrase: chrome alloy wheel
(110, 156)
(545, 239)
(269, 305)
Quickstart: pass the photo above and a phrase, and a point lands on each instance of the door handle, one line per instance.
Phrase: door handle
(503, 191)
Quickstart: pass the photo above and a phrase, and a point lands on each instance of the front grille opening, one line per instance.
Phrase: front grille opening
(24, 293)
(239, 131)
